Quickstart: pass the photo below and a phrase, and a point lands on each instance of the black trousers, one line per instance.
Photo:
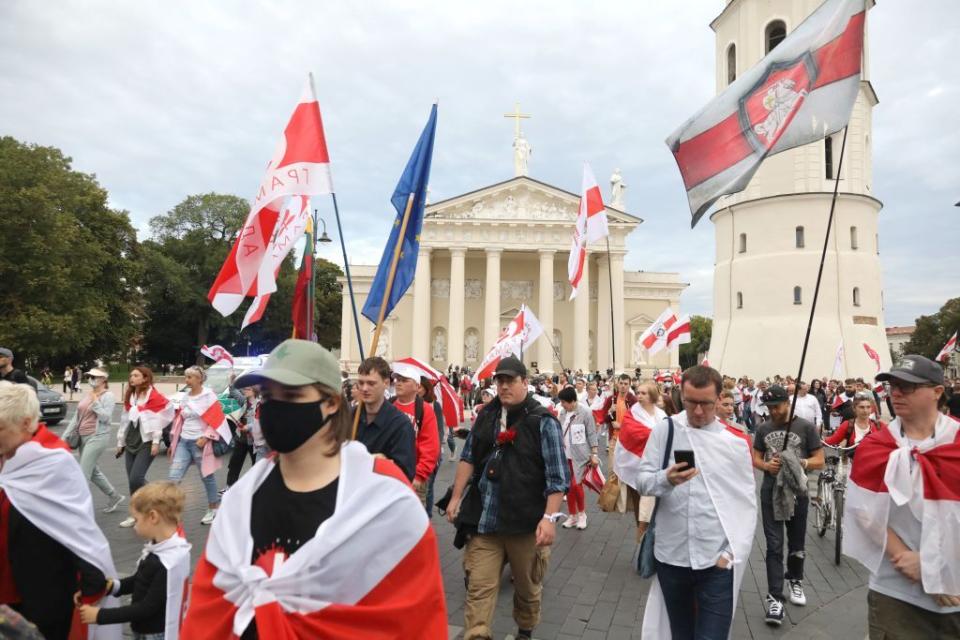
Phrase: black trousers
(773, 531)
(241, 449)
(137, 466)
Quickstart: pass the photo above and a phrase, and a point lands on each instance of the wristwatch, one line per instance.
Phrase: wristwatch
(553, 517)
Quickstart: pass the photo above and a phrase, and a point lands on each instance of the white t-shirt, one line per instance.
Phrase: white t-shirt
(193, 424)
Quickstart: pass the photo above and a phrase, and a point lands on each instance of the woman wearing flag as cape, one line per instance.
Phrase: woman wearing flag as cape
(321, 540)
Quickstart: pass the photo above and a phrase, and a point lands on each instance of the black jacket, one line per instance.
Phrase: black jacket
(147, 611)
(391, 435)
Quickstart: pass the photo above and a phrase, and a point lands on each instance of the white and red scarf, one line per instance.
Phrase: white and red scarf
(634, 433)
(882, 472)
(154, 413)
(371, 571)
(44, 482)
(724, 460)
(207, 405)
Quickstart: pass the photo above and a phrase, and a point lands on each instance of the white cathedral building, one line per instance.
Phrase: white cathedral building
(769, 237)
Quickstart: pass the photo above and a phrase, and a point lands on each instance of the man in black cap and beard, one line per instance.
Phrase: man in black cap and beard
(514, 472)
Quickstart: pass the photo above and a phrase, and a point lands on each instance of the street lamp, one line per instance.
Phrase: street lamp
(323, 237)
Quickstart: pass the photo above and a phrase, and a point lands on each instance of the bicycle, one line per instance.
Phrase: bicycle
(831, 490)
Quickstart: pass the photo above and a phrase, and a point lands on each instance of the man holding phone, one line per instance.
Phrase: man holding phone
(803, 441)
(705, 517)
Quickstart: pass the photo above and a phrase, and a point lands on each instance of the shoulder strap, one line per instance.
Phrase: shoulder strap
(418, 411)
(669, 448)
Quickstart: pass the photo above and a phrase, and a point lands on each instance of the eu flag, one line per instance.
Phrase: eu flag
(413, 183)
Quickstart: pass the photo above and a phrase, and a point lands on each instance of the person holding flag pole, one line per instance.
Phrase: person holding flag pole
(399, 262)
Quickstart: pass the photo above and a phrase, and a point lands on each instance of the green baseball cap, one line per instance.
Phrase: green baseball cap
(295, 363)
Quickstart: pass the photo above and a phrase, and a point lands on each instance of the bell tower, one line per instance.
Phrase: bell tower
(769, 236)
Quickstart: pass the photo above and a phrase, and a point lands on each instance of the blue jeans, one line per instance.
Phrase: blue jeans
(699, 601)
(188, 453)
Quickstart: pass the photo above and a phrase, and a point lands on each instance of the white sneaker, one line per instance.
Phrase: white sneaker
(208, 516)
(774, 616)
(797, 596)
(129, 522)
(582, 520)
(113, 505)
(570, 522)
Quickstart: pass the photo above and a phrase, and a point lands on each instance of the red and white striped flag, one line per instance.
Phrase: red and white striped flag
(216, 353)
(371, 571)
(872, 354)
(591, 227)
(300, 167)
(414, 368)
(948, 348)
(522, 332)
(654, 339)
(451, 403)
(801, 92)
(679, 333)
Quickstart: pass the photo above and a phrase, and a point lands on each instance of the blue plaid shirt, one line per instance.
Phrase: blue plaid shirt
(555, 470)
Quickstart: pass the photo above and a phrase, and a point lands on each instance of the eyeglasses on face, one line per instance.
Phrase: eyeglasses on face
(701, 404)
(907, 388)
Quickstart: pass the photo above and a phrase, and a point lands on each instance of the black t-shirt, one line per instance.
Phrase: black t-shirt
(803, 440)
(282, 521)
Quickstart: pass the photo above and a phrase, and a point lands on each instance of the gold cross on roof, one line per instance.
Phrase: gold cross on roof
(517, 116)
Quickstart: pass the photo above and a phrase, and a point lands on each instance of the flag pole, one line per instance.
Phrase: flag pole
(346, 268)
(312, 282)
(613, 337)
(816, 289)
(386, 293)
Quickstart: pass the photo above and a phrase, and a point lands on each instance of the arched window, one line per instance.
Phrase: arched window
(775, 33)
(797, 295)
(853, 239)
(856, 296)
(731, 63)
(743, 243)
(800, 238)
(828, 157)
(739, 300)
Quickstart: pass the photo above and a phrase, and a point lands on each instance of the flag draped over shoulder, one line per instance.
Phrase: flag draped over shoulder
(591, 226)
(413, 184)
(300, 167)
(802, 91)
(371, 571)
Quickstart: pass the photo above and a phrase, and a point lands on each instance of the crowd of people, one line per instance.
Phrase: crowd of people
(327, 530)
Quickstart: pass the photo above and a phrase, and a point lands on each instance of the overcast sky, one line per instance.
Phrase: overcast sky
(166, 99)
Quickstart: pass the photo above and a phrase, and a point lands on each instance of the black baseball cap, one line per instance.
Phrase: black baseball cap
(775, 394)
(916, 369)
(510, 366)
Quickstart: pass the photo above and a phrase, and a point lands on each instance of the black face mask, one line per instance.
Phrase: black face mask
(287, 425)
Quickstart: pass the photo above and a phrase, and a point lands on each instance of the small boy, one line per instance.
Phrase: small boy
(159, 585)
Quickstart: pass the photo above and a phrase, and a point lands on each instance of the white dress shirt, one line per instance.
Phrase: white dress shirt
(808, 408)
(689, 531)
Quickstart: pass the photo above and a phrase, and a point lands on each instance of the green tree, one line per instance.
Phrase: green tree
(700, 330)
(932, 332)
(68, 262)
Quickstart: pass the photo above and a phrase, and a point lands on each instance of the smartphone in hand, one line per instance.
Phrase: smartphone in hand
(685, 455)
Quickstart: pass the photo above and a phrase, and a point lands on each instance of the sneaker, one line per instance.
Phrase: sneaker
(129, 522)
(774, 616)
(208, 516)
(223, 491)
(582, 520)
(570, 522)
(796, 593)
(113, 505)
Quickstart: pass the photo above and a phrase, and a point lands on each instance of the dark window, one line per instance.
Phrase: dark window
(856, 296)
(739, 300)
(853, 239)
(731, 63)
(775, 33)
(797, 295)
(800, 238)
(743, 243)
(828, 157)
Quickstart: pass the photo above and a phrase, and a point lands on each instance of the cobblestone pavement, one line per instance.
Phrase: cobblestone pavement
(590, 591)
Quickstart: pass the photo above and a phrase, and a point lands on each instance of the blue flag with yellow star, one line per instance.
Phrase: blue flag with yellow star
(413, 183)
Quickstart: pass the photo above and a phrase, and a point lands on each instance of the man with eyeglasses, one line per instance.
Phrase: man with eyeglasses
(903, 509)
(706, 516)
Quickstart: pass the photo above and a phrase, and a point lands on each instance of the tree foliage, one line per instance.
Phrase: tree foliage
(932, 332)
(700, 330)
(68, 262)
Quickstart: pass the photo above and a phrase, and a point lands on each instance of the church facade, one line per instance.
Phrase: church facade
(485, 253)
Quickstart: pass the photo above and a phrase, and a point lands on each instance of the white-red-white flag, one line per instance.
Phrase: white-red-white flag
(216, 353)
(591, 226)
(948, 348)
(872, 354)
(838, 363)
(300, 167)
(679, 333)
(800, 92)
(522, 331)
(451, 403)
(654, 339)
(414, 368)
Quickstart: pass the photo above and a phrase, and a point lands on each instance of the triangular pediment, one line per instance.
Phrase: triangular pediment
(642, 320)
(521, 198)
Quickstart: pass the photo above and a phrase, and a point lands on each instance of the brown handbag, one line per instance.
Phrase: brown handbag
(610, 494)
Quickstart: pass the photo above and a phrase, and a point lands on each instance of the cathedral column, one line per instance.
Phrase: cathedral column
(603, 314)
(491, 300)
(616, 270)
(455, 326)
(421, 326)
(581, 321)
(545, 310)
